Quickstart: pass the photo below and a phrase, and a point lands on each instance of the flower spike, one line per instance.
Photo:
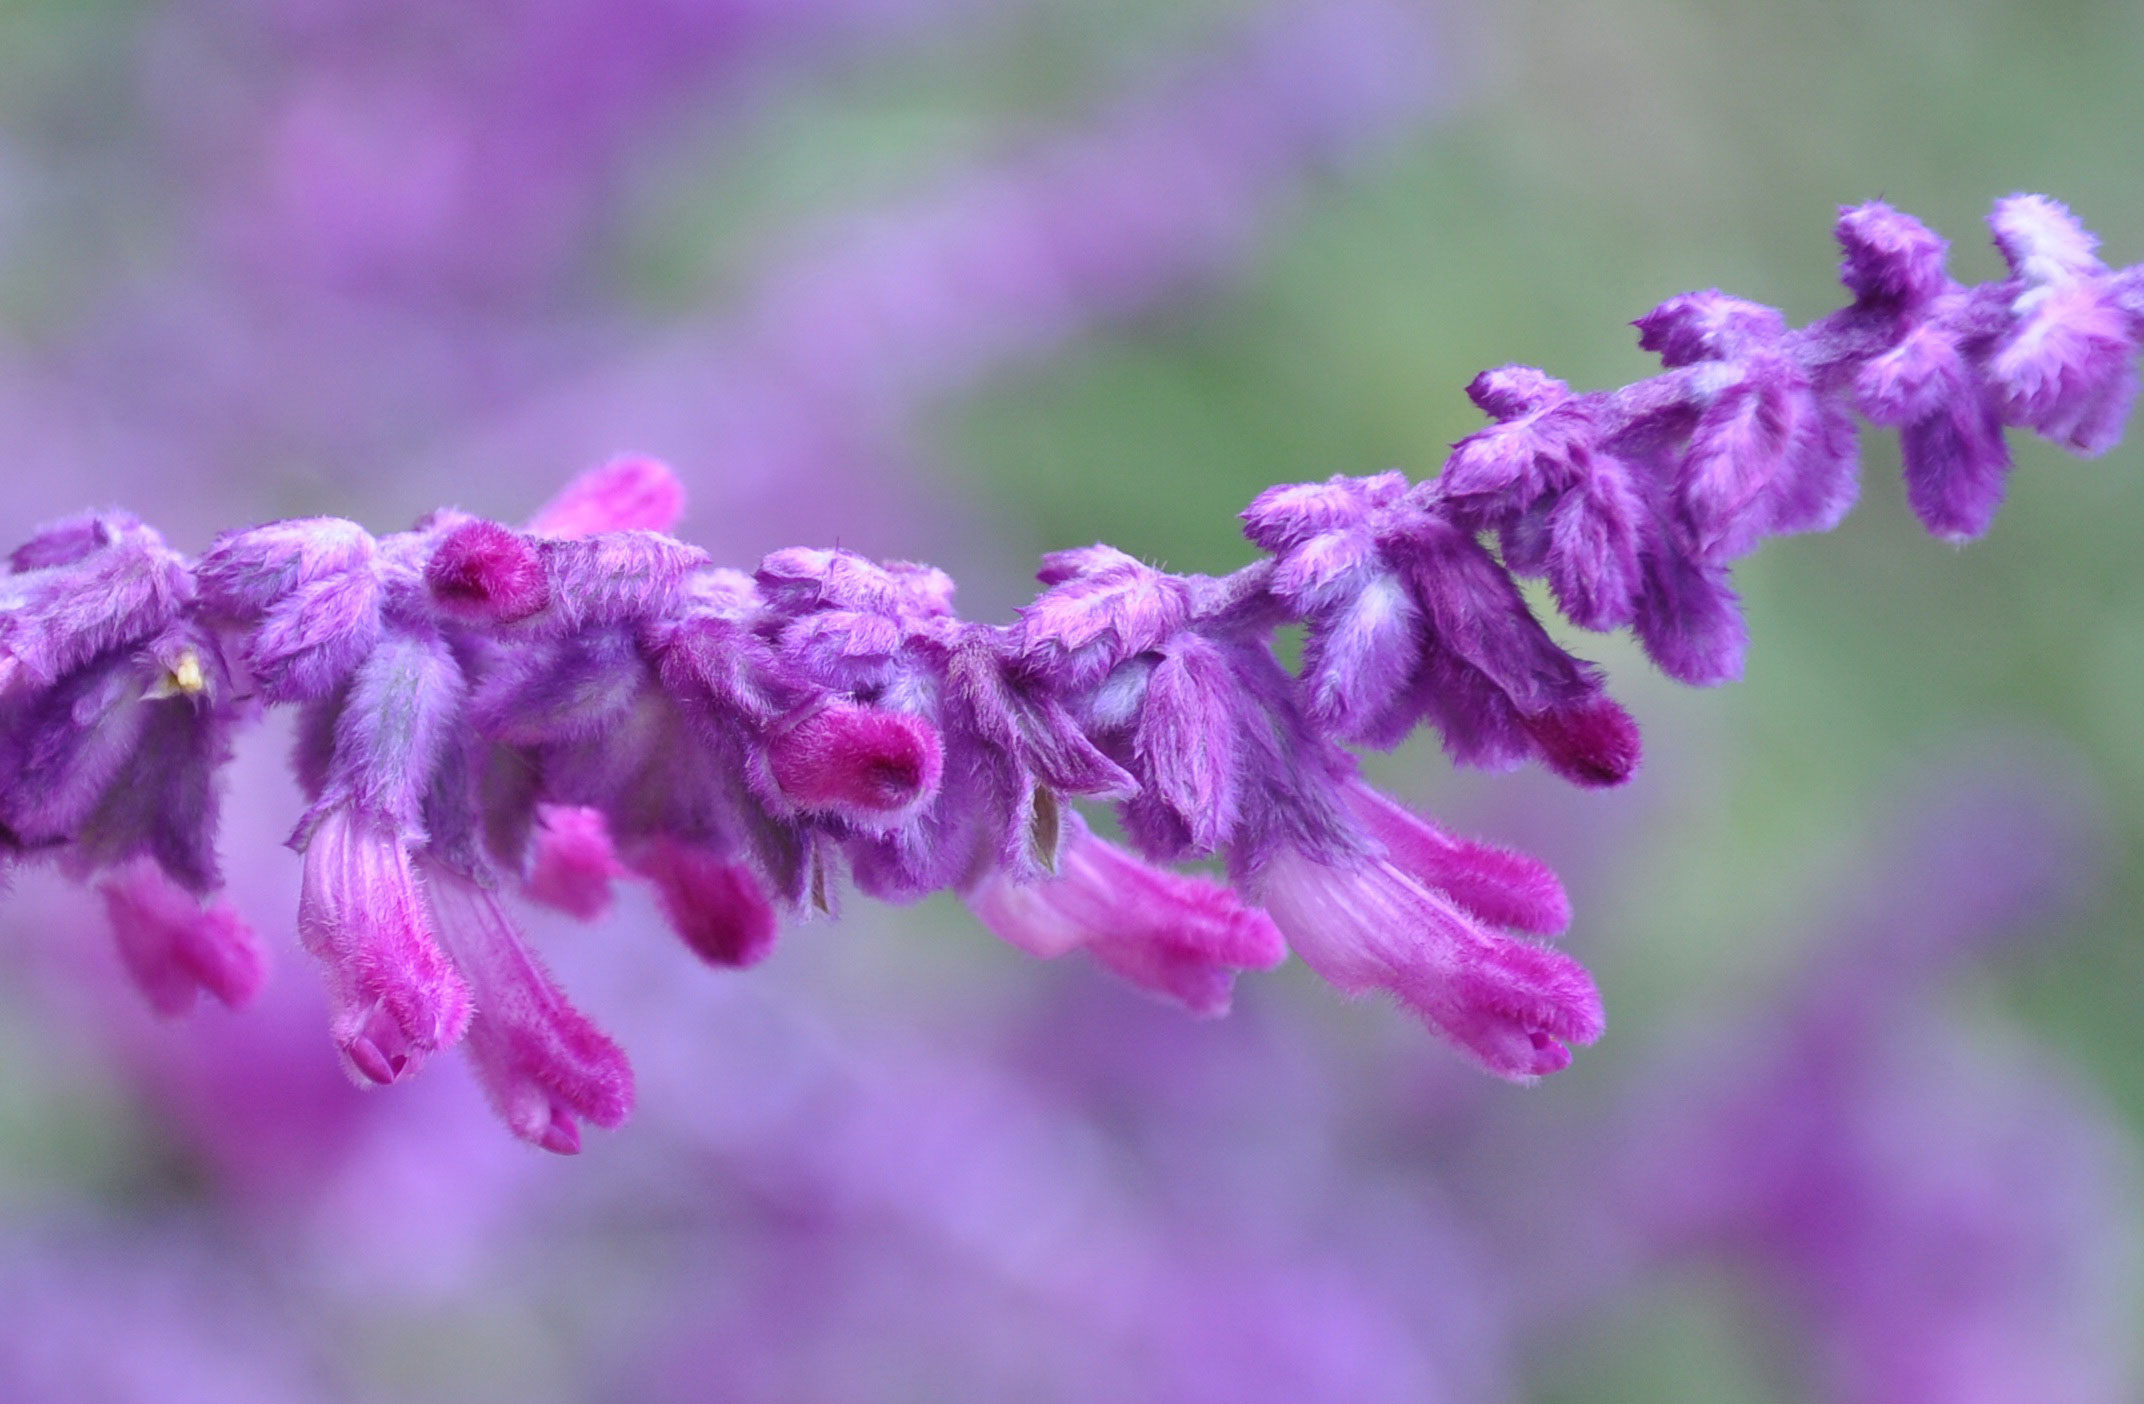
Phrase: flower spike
(485, 708)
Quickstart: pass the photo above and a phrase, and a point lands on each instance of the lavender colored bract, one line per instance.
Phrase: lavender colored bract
(587, 699)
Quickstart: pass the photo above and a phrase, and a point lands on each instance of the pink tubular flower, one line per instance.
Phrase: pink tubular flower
(628, 493)
(1499, 885)
(1419, 921)
(396, 996)
(545, 1067)
(717, 907)
(1181, 937)
(574, 864)
(174, 946)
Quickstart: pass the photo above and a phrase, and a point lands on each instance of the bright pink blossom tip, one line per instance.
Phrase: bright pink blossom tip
(625, 494)
(173, 947)
(863, 763)
(575, 864)
(717, 907)
(396, 997)
(484, 572)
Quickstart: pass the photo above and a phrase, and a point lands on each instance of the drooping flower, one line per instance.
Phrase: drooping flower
(174, 946)
(1420, 921)
(544, 1065)
(397, 997)
(1178, 936)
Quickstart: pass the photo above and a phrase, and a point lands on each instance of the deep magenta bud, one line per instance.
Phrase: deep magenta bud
(1593, 743)
(485, 573)
(864, 763)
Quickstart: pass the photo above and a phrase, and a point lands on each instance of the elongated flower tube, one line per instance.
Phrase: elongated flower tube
(1177, 936)
(397, 998)
(544, 1065)
(559, 705)
(174, 947)
(1369, 924)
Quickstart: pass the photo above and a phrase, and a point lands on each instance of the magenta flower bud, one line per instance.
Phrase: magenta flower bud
(1889, 256)
(485, 573)
(1181, 937)
(717, 907)
(174, 947)
(626, 494)
(545, 1067)
(574, 864)
(866, 764)
(1591, 742)
(396, 997)
(1368, 924)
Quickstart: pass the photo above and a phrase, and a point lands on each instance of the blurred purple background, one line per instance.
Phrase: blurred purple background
(263, 258)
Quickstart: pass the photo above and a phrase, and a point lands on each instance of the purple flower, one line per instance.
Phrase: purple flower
(573, 864)
(1180, 937)
(1411, 618)
(1634, 501)
(174, 946)
(2065, 367)
(397, 997)
(1420, 922)
(717, 905)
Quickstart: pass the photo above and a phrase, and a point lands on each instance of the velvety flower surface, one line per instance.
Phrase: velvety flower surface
(484, 707)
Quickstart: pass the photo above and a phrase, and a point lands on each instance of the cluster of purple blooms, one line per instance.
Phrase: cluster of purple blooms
(586, 698)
